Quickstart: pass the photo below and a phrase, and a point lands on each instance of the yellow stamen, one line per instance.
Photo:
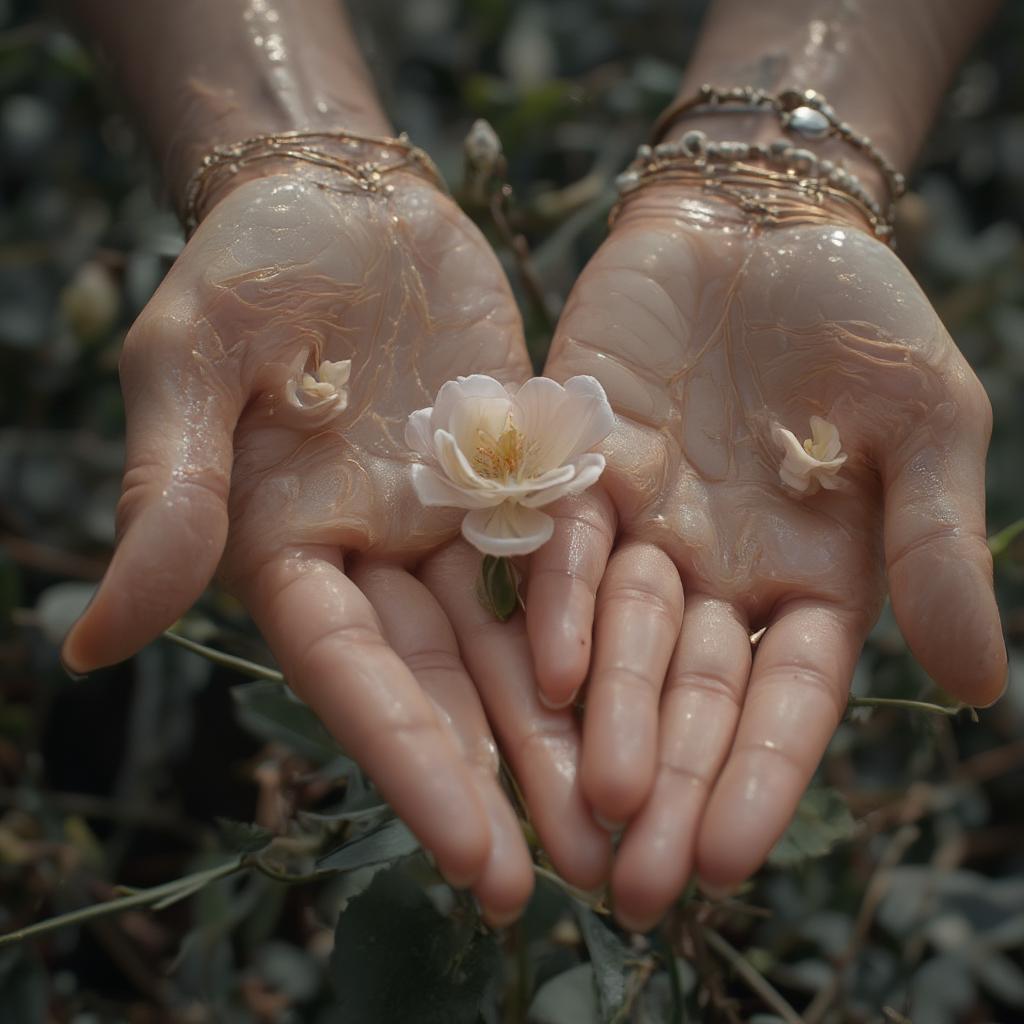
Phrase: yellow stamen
(499, 458)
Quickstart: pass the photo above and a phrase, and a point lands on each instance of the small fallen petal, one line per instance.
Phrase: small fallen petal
(329, 385)
(813, 463)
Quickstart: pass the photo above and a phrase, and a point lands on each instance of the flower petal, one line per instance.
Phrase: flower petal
(434, 490)
(453, 392)
(826, 438)
(509, 529)
(456, 466)
(336, 374)
(586, 471)
(559, 422)
(418, 435)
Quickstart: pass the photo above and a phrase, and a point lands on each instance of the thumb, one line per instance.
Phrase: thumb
(937, 556)
(172, 518)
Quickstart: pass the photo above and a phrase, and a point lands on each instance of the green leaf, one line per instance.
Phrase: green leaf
(269, 711)
(397, 959)
(821, 821)
(382, 844)
(243, 836)
(610, 958)
(498, 587)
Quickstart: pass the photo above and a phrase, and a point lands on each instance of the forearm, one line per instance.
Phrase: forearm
(202, 72)
(882, 64)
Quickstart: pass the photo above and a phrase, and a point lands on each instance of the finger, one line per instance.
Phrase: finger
(542, 745)
(328, 642)
(639, 613)
(937, 556)
(564, 576)
(796, 698)
(699, 711)
(418, 632)
(172, 517)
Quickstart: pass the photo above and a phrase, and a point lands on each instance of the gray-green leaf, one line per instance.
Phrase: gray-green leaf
(821, 821)
(397, 959)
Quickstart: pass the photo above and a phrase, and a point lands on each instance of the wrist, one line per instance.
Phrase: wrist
(339, 161)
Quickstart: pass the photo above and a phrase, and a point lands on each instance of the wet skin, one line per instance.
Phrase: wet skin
(704, 333)
(706, 329)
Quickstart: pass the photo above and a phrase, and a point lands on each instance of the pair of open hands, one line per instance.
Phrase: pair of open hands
(704, 334)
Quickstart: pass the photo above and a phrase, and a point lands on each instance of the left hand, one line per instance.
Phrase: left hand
(705, 331)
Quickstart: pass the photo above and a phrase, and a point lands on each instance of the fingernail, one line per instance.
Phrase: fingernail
(457, 881)
(70, 672)
(717, 893)
(552, 705)
(609, 826)
(497, 919)
(632, 924)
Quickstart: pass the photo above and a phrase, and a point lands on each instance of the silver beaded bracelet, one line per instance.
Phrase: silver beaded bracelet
(805, 112)
(744, 170)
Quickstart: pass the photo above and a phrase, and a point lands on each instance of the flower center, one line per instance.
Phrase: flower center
(815, 451)
(498, 458)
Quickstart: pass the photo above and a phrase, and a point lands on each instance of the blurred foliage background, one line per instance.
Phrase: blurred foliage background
(898, 893)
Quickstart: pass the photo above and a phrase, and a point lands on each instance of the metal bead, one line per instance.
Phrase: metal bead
(779, 148)
(694, 143)
(734, 150)
(808, 122)
(627, 181)
(826, 167)
(644, 152)
(666, 149)
(803, 160)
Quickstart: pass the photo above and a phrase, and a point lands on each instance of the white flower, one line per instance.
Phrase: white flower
(328, 385)
(814, 463)
(503, 453)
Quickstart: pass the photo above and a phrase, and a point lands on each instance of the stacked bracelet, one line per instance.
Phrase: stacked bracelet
(762, 178)
(363, 161)
(803, 112)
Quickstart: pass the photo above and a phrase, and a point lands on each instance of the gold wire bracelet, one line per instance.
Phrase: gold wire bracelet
(363, 160)
(743, 171)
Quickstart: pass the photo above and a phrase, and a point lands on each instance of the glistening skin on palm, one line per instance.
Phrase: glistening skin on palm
(311, 515)
(706, 331)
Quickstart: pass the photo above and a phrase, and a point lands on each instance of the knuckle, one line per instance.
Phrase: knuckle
(432, 660)
(713, 682)
(809, 677)
(656, 599)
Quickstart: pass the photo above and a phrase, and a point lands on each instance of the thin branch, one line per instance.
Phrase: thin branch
(873, 894)
(596, 903)
(751, 977)
(243, 665)
(141, 898)
(948, 710)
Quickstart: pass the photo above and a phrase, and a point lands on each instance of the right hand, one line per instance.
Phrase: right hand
(313, 521)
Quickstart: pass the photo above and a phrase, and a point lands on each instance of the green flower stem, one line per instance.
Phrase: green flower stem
(161, 894)
(949, 710)
(1000, 542)
(243, 665)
